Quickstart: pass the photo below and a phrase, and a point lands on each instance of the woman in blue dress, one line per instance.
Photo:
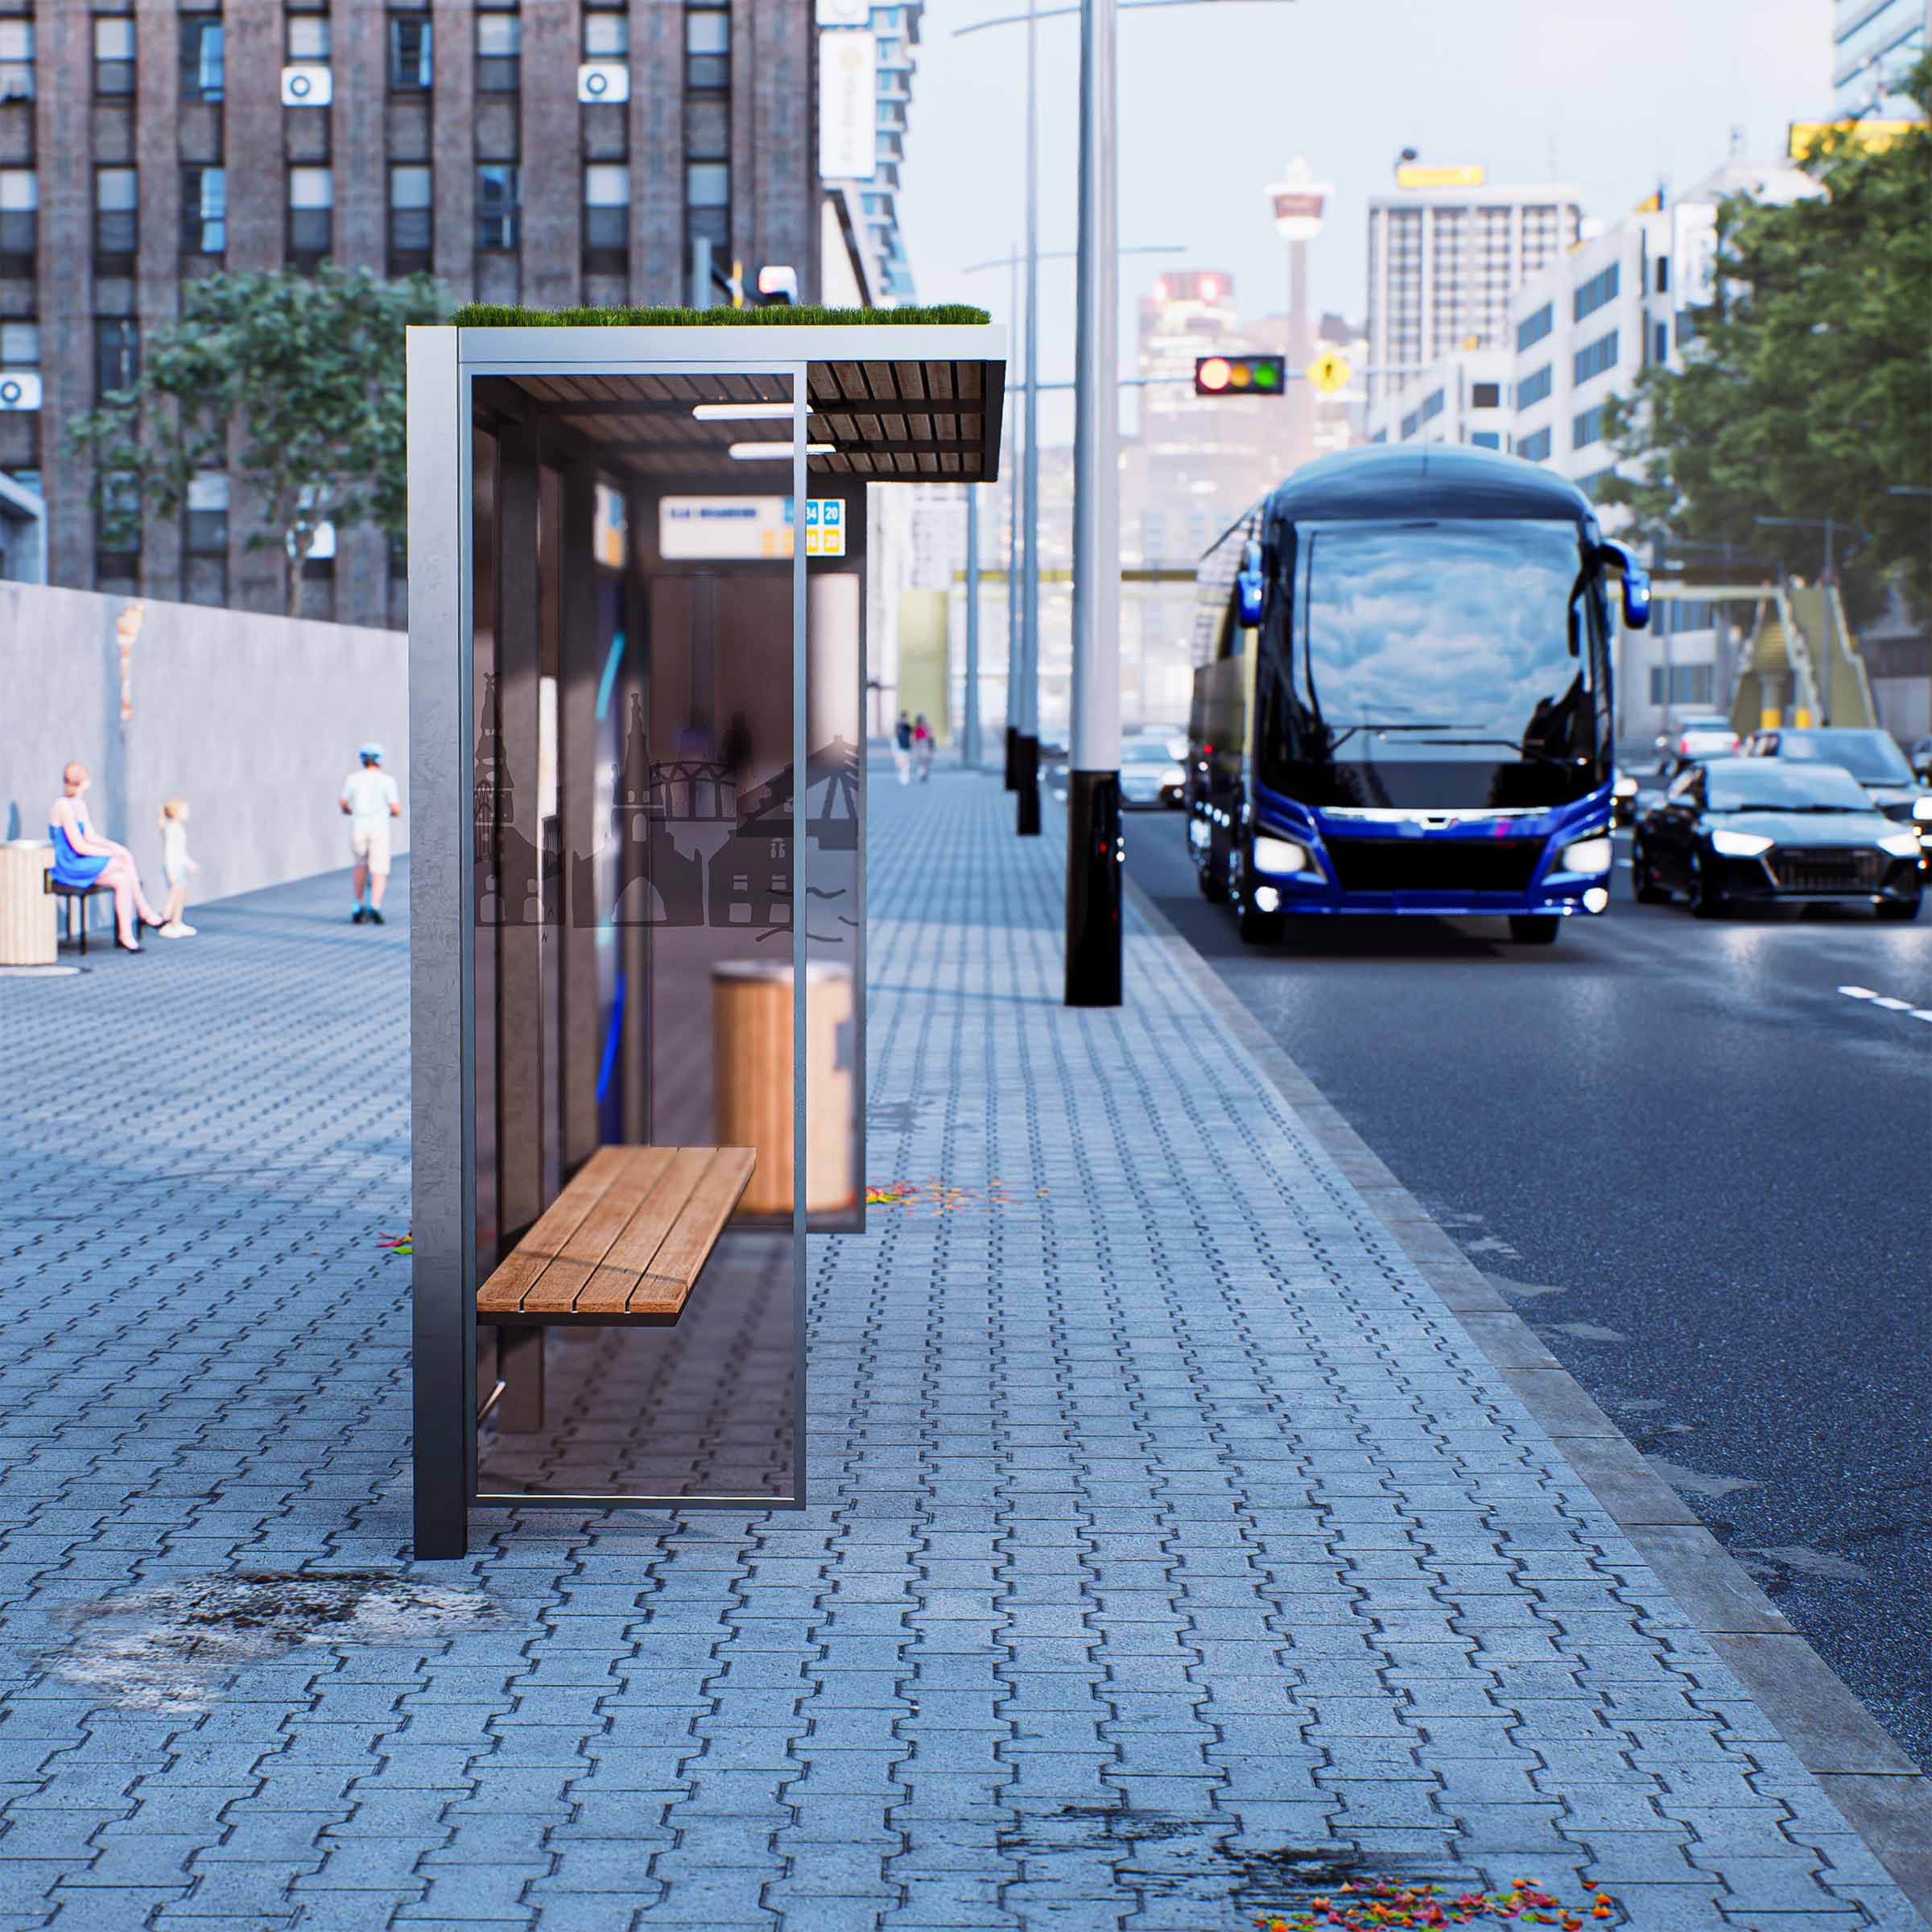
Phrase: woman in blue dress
(82, 857)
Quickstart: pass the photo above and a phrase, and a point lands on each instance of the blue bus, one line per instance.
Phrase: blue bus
(1401, 695)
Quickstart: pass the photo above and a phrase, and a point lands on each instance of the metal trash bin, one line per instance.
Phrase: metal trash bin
(751, 1081)
(30, 913)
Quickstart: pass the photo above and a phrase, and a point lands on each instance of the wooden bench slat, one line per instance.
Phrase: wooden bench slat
(518, 1272)
(627, 1238)
(676, 1266)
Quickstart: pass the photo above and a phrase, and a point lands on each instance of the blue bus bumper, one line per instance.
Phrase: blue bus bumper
(1552, 862)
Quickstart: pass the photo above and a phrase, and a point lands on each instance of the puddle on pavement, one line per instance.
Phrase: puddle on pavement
(172, 1648)
(1191, 1860)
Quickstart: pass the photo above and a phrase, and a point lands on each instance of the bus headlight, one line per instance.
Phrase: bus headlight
(1281, 855)
(1596, 899)
(1266, 899)
(1739, 845)
(1922, 808)
(1586, 855)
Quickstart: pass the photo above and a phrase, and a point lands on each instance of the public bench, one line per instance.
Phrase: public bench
(622, 1246)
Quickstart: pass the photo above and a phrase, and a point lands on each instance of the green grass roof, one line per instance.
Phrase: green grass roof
(486, 315)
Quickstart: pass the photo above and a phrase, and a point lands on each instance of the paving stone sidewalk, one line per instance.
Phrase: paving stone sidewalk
(1172, 1552)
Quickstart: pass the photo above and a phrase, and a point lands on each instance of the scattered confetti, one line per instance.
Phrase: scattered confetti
(940, 1197)
(398, 1243)
(1381, 1905)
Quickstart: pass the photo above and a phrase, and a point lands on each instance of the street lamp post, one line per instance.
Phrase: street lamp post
(1094, 850)
(969, 732)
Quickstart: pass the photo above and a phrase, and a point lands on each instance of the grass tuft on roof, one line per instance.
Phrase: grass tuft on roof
(487, 315)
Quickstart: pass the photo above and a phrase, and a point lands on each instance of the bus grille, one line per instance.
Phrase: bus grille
(1435, 865)
(1830, 871)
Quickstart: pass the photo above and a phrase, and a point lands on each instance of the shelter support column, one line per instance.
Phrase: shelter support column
(579, 664)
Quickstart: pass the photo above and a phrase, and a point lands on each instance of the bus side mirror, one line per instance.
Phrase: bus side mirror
(1248, 584)
(1636, 582)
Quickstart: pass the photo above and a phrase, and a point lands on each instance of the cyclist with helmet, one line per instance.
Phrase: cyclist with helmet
(370, 800)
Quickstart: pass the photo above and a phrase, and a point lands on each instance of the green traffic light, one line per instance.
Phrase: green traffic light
(1264, 375)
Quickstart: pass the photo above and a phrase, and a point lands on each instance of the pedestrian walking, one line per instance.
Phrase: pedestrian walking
(370, 800)
(922, 742)
(902, 748)
(175, 867)
(83, 858)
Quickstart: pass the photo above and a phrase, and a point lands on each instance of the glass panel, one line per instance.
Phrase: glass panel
(409, 186)
(499, 34)
(606, 36)
(607, 184)
(308, 37)
(707, 33)
(311, 187)
(635, 964)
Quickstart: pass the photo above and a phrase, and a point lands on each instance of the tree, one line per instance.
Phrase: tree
(291, 383)
(1807, 389)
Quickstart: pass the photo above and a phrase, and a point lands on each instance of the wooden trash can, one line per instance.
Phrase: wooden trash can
(751, 1081)
(29, 914)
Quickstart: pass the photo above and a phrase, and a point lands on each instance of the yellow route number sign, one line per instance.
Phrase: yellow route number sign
(1328, 372)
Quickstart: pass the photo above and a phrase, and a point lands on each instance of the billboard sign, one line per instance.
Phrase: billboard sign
(847, 105)
(1694, 248)
(745, 529)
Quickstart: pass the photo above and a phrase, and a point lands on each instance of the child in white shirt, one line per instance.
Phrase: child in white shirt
(176, 865)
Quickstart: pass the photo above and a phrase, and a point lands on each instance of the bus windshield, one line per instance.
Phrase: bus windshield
(1449, 640)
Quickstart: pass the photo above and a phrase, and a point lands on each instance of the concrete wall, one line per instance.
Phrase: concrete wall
(254, 720)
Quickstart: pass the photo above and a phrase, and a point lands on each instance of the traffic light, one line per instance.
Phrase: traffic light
(1240, 375)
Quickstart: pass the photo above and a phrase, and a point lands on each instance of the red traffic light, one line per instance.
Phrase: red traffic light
(1240, 375)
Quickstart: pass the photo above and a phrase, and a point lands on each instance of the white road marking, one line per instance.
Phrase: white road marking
(1885, 1000)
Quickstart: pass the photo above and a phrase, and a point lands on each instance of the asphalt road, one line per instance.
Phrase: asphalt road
(1702, 1172)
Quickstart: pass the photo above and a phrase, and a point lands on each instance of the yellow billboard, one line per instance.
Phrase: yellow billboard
(1808, 137)
(1467, 174)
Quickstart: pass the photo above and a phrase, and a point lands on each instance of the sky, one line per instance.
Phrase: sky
(1215, 99)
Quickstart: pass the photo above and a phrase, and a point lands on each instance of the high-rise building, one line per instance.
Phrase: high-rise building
(562, 152)
(1874, 45)
(865, 95)
(1446, 253)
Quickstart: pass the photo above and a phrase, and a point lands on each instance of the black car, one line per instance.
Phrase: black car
(1871, 756)
(1751, 831)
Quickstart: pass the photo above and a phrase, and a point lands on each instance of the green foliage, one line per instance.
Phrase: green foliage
(483, 315)
(1807, 391)
(291, 383)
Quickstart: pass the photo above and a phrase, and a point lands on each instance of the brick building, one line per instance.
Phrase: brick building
(555, 152)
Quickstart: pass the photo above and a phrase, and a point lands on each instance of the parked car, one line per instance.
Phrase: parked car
(1700, 736)
(1871, 756)
(1149, 774)
(1733, 831)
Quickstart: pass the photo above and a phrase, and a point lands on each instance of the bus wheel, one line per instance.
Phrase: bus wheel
(1533, 929)
(1209, 876)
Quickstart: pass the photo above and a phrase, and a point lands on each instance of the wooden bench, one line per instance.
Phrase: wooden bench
(622, 1246)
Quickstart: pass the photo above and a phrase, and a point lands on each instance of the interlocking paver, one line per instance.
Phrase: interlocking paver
(1165, 1516)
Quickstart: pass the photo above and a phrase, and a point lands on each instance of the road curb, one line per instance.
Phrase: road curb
(1884, 1796)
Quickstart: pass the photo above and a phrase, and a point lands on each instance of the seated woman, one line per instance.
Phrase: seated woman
(82, 857)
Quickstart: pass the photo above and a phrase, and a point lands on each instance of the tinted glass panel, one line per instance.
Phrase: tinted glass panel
(1770, 782)
(1870, 755)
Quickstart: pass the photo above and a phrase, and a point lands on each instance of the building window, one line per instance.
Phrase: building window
(1534, 387)
(1660, 351)
(1486, 395)
(308, 36)
(311, 206)
(606, 36)
(116, 355)
(1535, 446)
(19, 345)
(707, 49)
(117, 215)
(204, 211)
(19, 214)
(1589, 296)
(1686, 328)
(708, 200)
(1410, 423)
(1683, 683)
(410, 54)
(113, 56)
(499, 205)
(1486, 439)
(1533, 329)
(16, 60)
(1593, 358)
(118, 537)
(1587, 428)
(1432, 406)
(205, 524)
(1663, 275)
(203, 55)
(607, 217)
(499, 49)
(410, 191)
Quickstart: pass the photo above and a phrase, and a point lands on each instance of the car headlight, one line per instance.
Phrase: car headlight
(1900, 844)
(1739, 844)
(1281, 855)
(1625, 788)
(1586, 855)
(1174, 775)
(1922, 808)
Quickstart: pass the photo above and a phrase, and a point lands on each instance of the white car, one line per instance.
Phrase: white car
(1698, 738)
(1150, 774)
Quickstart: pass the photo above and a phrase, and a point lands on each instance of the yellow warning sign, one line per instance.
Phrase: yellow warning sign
(1328, 372)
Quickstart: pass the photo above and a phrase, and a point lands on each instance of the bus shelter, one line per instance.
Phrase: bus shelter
(637, 663)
